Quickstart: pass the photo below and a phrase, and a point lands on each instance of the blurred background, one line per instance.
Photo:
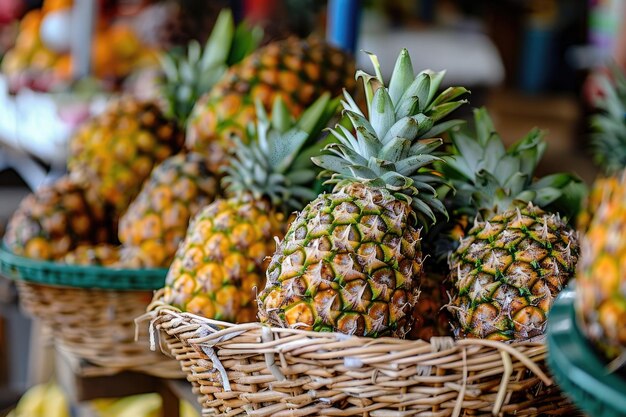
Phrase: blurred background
(529, 61)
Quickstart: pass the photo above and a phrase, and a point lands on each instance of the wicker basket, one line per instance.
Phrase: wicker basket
(252, 369)
(95, 324)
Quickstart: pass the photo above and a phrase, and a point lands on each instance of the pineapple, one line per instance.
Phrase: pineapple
(104, 254)
(117, 150)
(56, 219)
(512, 263)
(222, 260)
(351, 260)
(296, 70)
(156, 221)
(601, 277)
(608, 140)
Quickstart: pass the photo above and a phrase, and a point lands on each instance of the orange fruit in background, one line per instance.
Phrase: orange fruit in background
(52, 5)
(31, 21)
(27, 40)
(102, 58)
(124, 41)
(63, 67)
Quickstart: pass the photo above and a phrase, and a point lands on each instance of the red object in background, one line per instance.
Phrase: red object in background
(10, 10)
(257, 11)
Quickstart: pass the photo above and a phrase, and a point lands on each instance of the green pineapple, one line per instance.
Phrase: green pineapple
(519, 252)
(351, 261)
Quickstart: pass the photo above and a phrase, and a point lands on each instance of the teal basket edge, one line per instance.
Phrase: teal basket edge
(79, 276)
(577, 368)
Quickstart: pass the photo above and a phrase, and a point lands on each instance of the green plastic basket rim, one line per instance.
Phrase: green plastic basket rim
(21, 268)
(579, 370)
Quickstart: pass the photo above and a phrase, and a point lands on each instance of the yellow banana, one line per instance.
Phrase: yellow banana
(32, 402)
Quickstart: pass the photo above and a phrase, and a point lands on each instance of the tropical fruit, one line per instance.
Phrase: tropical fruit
(601, 277)
(222, 261)
(55, 220)
(104, 254)
(510, 266)
(156, 221)
(115, 151)
(351, 261)
(297, 70)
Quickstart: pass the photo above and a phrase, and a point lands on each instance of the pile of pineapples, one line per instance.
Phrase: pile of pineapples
(358, 253)
(270, 196)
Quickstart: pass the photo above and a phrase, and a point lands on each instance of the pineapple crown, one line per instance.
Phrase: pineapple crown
(608, 140)
(393, 146)
(188, 76)
(489, 179)
(276, 164)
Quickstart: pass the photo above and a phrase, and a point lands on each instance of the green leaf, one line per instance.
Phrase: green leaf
(435, 82)
(401, 77)
(442, 110)
(318, 114)
(395, 149)
(382, 115)
(405, 128)
(443, 127)
(222, 34)
(281, 117)
(449, 94)
(245, 41)
(333, 164)
(546, 195)
(411, 164)
(283, 148)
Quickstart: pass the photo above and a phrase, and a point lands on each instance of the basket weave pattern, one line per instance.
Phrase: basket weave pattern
(98, 325)
(256, 370)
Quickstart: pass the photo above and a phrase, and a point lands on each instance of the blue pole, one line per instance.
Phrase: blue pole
(343, 23)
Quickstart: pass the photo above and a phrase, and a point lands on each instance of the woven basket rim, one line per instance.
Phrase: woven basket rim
(224, 332)
(79, 276)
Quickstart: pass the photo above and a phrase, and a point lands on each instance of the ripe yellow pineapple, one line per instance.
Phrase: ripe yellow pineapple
(351, 261)
(298, 71)
(601, 277)
(222, 260)
(56, 219)
(115, 151)
(510, 266)
(104, 254)
(156, 221)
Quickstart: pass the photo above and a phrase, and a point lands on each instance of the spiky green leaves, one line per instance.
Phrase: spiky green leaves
(188, 76)
(490, 179)
(277, 164)
(609, 124)
(392, 143)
